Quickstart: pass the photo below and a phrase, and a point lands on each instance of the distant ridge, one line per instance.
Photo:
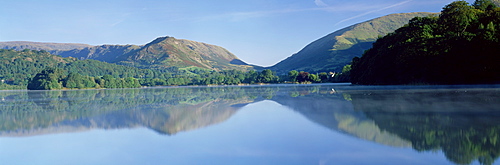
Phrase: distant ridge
(21, 45)
(333, 51)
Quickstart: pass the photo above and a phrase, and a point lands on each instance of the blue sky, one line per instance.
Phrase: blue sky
(261, 32)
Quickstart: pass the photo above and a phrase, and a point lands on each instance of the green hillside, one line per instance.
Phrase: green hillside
(332, 52)
(18, 67)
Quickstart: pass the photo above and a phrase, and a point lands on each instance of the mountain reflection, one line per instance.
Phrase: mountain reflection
(165, 110)
(463, 123)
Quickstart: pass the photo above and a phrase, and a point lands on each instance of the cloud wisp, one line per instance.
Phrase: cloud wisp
(373, 11)
(321, 6)
(320, 3)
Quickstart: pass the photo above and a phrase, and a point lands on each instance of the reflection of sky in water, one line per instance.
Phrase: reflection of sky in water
(260, 133)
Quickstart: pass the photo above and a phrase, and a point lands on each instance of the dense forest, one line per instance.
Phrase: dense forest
(32, 69)
(460, 46)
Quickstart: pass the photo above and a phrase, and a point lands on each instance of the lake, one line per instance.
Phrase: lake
(272, 124)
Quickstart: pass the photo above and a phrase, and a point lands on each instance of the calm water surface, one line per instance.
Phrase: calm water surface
(281, 124)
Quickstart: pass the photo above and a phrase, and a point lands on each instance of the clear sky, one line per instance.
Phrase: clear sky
(261, 32)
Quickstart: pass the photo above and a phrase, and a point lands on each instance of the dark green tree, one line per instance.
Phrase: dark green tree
(457, 17)
(75, 80)
(267, 76)
(484, 5)
(47, 79)
(292, 75)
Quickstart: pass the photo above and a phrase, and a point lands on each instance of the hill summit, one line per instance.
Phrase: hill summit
(169, 51)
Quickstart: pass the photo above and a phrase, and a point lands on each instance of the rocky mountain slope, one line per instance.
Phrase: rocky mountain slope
(169, 51)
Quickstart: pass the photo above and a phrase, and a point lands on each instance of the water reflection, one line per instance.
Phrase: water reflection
(165, 110)
(462, 122)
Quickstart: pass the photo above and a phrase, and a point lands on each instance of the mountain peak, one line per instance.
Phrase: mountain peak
(159, 39)
(169, 51)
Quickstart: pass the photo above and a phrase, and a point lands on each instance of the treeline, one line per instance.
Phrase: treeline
(209, 77)
(460, 46)
(54, 78)
(323, 77)
(31, 69)
(17, 68)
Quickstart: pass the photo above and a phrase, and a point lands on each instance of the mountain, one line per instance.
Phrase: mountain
(21, 45)
(163, 52)
(333, 51)
(169, 51)
(105, 53)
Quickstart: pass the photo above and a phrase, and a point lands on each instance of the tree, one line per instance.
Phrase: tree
(303, 76)
(47, 79)
(457, 16)
(313, 78)
(109, 81)
(292, 75)
(267, 76)
(323, 76)
(484, 5)
(75, 80)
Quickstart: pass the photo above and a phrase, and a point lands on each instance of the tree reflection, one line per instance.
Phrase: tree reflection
(464, 124)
